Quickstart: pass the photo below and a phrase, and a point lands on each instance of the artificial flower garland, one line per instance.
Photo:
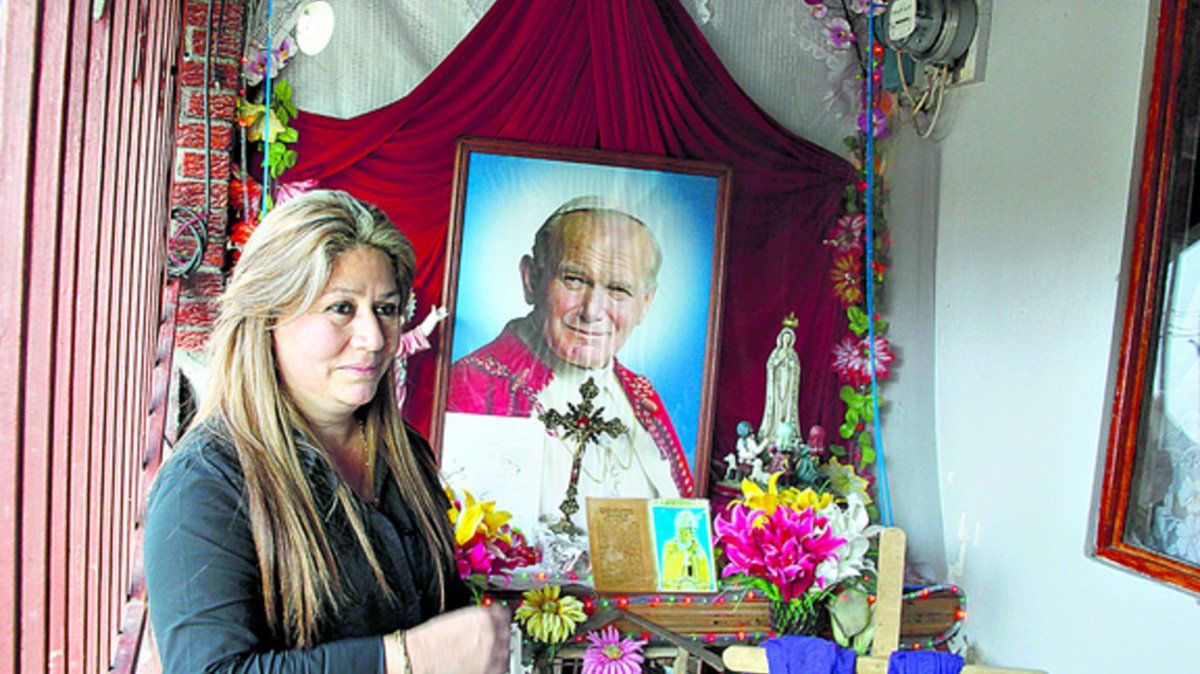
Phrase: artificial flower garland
(851, 358)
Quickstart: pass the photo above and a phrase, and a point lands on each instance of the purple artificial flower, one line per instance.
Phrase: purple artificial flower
(287, 49)
(839, 32)
(610, 654)
(880, 119)
(257, 62)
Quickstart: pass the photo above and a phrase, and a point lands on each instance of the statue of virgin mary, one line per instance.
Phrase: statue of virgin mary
(782, 405)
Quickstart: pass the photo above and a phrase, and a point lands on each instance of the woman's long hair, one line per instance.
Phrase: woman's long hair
(282, 272)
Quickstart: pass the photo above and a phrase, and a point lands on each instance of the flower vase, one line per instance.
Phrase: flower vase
(797, 616)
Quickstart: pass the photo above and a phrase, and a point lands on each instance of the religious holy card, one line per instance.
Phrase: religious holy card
(651, 545)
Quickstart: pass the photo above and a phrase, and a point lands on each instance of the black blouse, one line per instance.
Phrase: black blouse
(205, 593)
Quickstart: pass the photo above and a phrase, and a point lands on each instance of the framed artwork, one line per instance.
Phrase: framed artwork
(651, 545)
(1149, 515)
(569, 266)
(683, 546)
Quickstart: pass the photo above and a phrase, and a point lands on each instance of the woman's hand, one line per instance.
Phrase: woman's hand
(471, 640)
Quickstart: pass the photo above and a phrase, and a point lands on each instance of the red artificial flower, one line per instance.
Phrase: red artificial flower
(247, 188)
(847, 235)
(852, 359)
(241, 230)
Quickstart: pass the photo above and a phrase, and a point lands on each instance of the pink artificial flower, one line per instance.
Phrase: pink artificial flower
(852, 359)
(285, 192)
(258, 61)
(610, 654)
(490, 556)
(839, 32)
(255, 67)
(513, 553)
(784, 548)
(860, 6)
(846, 235)
(474, 558)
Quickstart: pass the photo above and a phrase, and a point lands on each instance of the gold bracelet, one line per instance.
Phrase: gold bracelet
(405, 664)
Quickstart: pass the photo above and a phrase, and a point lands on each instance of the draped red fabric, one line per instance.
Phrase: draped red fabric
(625, 75)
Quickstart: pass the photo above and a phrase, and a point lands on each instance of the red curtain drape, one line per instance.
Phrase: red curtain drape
(625, 75)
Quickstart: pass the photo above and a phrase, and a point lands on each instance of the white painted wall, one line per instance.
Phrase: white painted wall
(908, 304)
(1034, 189)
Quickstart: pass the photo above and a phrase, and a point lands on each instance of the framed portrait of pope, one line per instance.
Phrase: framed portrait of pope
(584, 292)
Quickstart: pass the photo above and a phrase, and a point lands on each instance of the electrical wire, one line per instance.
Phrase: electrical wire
(936, 88)
(882, 489)
(939, 83)
(197, 225)
(266, 182)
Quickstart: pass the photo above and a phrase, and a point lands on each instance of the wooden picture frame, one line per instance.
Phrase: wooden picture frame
(1150, 485)
(504, 191)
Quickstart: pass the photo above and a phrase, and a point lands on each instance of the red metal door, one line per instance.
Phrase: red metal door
(87, 108)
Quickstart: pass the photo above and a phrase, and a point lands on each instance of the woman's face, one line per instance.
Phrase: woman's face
(332, 356)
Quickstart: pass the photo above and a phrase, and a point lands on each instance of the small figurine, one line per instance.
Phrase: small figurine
(414, 341)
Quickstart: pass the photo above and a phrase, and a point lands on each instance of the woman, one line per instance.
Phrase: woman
(299, 527)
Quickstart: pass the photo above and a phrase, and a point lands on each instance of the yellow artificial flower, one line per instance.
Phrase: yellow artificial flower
(798, 500)
(550, 616)
(754, 497)
(844, 481)
(250, 115)
(476, 517)
(767, 501)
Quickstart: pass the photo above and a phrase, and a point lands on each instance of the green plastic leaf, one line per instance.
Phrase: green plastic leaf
(838, 451)
(846, 430)
(288, 135)
(868, 456)
(865, 439)
(858, 320)
(281, 90)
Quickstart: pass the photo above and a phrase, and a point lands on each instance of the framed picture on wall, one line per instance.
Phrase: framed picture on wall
(1149, 514)
(569, 266)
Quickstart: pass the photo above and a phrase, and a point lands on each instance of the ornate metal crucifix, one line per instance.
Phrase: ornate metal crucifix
(583, 424)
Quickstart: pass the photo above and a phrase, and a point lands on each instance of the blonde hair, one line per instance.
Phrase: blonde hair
(284, 268)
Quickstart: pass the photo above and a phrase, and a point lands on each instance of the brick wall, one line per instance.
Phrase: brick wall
(197, 310)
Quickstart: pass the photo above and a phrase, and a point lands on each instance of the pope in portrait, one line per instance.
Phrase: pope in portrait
(590, 279)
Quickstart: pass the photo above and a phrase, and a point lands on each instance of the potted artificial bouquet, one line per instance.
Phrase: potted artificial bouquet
(800, 547)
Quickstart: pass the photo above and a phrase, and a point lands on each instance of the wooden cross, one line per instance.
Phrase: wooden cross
(888, 602)
(583, 424)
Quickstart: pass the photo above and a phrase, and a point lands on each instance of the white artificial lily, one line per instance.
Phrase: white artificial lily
(851, 522)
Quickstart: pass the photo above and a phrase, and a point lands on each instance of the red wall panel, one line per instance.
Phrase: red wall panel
(85, 308)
